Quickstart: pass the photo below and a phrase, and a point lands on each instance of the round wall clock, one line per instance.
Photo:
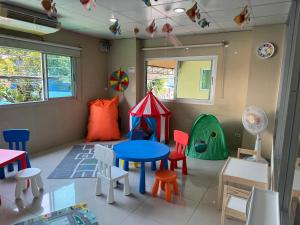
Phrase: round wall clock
(266, 50)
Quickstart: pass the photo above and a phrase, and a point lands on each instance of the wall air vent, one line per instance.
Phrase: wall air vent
(24, 20)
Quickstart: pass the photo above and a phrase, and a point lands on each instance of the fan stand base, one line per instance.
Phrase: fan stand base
(253, 159)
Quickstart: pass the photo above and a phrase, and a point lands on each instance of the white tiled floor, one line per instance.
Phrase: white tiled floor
(196, 205)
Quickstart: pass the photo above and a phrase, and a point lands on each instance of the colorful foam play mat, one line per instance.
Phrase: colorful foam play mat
(80, 162)
(119, 80)
(74, 215)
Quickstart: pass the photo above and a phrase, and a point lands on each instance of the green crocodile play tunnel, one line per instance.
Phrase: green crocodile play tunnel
(207, 140)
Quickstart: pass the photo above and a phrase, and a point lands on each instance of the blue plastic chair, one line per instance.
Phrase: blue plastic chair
(16, 139)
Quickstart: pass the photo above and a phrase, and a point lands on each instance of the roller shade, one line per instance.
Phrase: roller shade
(46, 47)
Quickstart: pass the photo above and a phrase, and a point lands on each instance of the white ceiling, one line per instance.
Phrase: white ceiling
(131, 13)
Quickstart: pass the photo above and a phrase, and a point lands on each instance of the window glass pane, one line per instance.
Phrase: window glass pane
(21, 77)
(205, 81)
(194, 79)
(161, 78)
(59, 69)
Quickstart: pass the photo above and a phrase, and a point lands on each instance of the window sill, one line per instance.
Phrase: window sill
(188, 101)
(30, 104)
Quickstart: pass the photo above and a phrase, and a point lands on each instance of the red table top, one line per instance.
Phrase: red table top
(7, 156)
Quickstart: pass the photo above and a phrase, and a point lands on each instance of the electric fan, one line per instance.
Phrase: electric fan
(255, 121)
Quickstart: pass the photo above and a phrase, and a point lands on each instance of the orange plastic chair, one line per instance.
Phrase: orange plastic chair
(178, 153)
(164, 179)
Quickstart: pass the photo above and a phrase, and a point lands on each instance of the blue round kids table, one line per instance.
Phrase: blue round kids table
(141, 151)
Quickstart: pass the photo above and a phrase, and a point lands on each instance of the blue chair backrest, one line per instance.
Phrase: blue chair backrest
(16, 136)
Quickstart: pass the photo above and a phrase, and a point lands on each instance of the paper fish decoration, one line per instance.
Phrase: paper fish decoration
(167, 28)
(88, 4)
(115, 28)
(194, 13)
(203, 23)
(152, 28)
(147, 2)
(243, 17)
(136, 30)
(50, 8)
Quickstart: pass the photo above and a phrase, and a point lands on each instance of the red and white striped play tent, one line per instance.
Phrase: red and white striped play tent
(151, 118)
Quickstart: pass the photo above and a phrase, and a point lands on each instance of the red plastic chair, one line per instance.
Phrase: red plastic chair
(178, 153)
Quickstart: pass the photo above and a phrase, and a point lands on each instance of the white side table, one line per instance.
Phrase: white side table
(243, 172)
(32, 174)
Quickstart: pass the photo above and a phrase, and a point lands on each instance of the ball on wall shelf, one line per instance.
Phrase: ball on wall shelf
(119, 80)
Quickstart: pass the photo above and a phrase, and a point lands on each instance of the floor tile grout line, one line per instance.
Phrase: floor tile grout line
(197, 206)
(133, 210)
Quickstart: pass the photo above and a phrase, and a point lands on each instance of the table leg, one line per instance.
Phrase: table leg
(220, 191)
(23, 163)
(126, 165)
(117, 162)
(165, 162)
(10, 167)
(142, 178)
(153, 165)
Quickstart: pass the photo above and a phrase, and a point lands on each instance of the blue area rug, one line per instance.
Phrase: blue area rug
(78, 163)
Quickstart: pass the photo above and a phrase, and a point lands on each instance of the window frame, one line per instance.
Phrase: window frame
(46, 98)
(73, 77)
(213, 58)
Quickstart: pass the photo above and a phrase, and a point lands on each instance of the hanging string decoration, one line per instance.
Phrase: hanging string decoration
(119, 80)
(88, 4)
(194, 13)
(243, 17)
(115, 28)
(152, 28)
(136, 30)
(203, 23)
(195, 16)
(147, 2)
(50, 8)
(167, 29)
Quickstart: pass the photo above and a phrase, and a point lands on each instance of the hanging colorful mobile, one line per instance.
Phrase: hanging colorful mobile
(50, 8)
(115, 28)
(119, 80)
(243, 17)
(203, 23)
(152, 28)
(167, 29)
(136, 30)
(88, 4)
(194, 13)
(147, 2)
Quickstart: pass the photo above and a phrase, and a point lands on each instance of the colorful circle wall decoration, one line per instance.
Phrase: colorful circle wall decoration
(119, 80)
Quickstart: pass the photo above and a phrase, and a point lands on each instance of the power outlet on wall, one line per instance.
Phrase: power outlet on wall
(238, 135)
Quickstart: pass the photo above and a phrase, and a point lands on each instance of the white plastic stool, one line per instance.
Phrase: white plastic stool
(32, 174)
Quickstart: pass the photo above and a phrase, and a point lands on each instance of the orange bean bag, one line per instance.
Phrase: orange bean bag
(103, 120)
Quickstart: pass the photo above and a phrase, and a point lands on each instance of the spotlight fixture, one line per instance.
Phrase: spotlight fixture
(179, 10)
(112, 19)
